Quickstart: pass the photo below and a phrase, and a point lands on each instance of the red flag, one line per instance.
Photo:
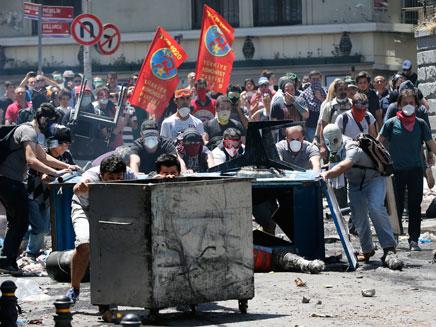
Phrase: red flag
(215, 54)
(158, 78)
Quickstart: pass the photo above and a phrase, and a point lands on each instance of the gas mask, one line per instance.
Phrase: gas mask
(150, 142)
(183, 112)
(223, 115)
(47, 128)
(86, 101)
(333, 140)
(408, 110)
(295, 145)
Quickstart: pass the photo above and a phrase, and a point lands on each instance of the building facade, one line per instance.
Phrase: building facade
(280, 35)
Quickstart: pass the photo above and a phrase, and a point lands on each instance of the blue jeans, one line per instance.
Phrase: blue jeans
(39, 226)
(371, 198)
(310, 133)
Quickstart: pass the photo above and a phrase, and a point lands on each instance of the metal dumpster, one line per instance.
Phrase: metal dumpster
(162, 243)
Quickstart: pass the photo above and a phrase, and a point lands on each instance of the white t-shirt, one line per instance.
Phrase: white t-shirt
(219, 156)
(172, 126)
(352, 130)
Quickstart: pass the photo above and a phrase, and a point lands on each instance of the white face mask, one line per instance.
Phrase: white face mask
(103, 101)
(183, 112)
(408, 110)
(223, 115)
(232, 152)
(86, 101)
(295, 145)
(150, 142)
(250, 93)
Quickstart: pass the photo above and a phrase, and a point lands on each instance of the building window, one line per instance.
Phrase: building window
(69, 3)
(277, 12)
(229, 9)
(411, 16)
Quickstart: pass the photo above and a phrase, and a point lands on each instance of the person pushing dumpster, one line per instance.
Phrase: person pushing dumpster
(112, 168)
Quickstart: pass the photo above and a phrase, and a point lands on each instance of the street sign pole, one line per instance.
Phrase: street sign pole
(87, 67)
(40, 39)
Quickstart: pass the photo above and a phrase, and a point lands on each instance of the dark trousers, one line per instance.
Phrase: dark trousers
(412, 179)
(13, 196)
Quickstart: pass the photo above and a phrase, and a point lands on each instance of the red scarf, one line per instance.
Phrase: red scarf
(408, 121)
(358, 114)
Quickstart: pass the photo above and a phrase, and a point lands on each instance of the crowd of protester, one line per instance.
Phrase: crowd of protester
(200, 129)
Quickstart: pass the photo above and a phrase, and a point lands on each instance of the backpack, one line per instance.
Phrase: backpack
(345, 122)
(6, 134)
(377, 152)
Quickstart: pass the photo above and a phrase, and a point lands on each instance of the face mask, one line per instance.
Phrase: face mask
(295, 145)
(232, 151)
(150, 142)
(183, 112)
(234, 101)
(201, 93)
(103, 101)
(408, 110)
(332, 137)
(223, 115)
(86, 101)
(47, 128)
(358, 114)
(32, 88)
(342, 95)
(250, 93)
(192, 149)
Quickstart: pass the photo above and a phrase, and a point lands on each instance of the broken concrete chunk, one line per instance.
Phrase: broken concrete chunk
(369, 292)
(305, 300)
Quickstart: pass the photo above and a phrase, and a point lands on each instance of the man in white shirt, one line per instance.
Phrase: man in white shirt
(182, 119)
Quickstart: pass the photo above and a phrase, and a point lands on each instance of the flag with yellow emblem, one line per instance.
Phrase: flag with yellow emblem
(215, 54)
(158, 78)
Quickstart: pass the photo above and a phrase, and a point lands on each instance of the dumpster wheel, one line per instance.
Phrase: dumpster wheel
(243, 306)
(152, 316)
(194, 308)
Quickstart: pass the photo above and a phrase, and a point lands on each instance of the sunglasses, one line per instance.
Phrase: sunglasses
(228, 144)
(291, 76)
(184, 98)
(361, 106)
(77, 81)
(102, 95)
(40, 80)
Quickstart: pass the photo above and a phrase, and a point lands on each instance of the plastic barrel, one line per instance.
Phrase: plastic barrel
(58, 266)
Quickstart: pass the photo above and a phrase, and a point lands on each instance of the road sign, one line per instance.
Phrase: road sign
(57, 14)
(86, 29)
(55, 29)
(49, 13)
(110, 40)
(31, 10)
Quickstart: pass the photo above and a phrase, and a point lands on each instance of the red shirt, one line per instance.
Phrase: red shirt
(206, 112)
(12, 111)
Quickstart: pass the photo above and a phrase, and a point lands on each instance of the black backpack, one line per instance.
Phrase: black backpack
(345, 122)
(6, 134)
(377, 152)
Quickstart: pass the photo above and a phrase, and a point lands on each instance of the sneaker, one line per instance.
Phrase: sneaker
(14, 271)
(430, 178)
(73, 294)
(414, 246)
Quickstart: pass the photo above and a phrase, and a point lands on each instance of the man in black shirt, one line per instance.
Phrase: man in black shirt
(6, 100)
(222, 121)
(363, 82)
(407, 70)
(149, 147)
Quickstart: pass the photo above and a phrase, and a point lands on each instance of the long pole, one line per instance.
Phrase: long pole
(40, 38)
(87, 66)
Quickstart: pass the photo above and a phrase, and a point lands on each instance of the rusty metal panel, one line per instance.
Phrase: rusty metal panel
(156, 245)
